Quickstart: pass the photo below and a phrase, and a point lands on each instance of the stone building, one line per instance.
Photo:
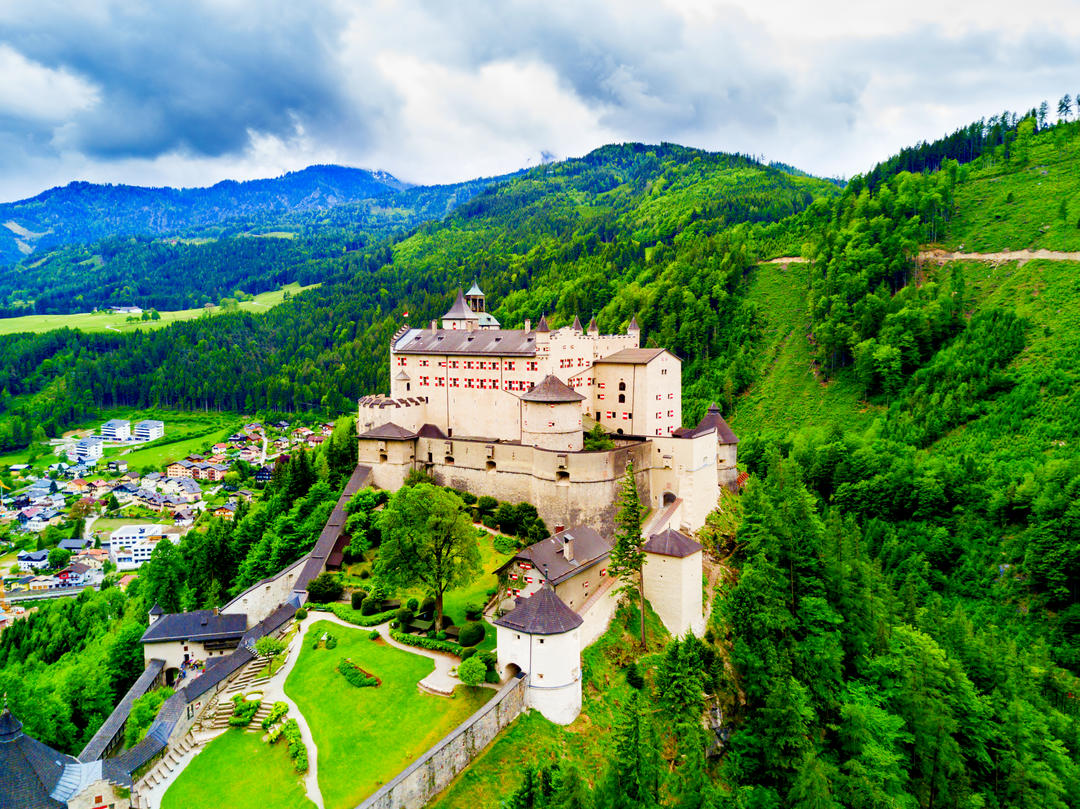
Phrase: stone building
(503, 412)
(540, 637)
(183, 638)
(672, 579)
(34, 776)
(572, 561)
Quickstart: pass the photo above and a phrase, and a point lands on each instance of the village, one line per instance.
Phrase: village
(88, 514)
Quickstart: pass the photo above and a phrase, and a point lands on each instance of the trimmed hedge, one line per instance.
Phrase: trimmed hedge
(356, 675)
(471, 634)
(244, 711)
(279, 710)
(291, 731)
(343, 612)
(426, 643)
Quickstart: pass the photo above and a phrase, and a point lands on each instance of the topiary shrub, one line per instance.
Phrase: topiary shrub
(374, 635)
(331, 642)
(404, 617)
(356, 675)
(468, 652)
(413, 605)
(472, 671)
(471, 634)
(427, 608)
(474, 611)
(492, 677)
(489, 522)
(357, 598)
(324, 588)
(370, 606)
(301, 614)
(447, 621)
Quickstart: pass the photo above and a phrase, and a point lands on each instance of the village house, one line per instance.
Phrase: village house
(87, 450)
(226, 512)
(33, 560)
(182, 638)
(131, 545)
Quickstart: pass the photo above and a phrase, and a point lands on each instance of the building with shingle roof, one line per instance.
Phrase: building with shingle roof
(672, 579)
(34, 776)
(184, 637)
(573, 561)
(540, 637)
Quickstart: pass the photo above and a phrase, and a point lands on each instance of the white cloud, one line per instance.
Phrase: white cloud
(193, 91)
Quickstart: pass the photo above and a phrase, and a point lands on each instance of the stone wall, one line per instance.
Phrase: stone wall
(261, 599)
(432, 772)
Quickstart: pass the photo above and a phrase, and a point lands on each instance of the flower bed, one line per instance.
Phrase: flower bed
(356, 675)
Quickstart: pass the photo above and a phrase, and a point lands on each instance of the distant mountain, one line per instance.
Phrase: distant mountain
(83, 212)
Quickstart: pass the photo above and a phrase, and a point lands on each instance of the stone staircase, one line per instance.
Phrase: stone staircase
(165, 765)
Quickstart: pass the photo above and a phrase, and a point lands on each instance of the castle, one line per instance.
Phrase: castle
(503, 412)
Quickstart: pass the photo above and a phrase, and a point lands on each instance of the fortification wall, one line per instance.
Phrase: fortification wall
(432, 772)
(262, 598)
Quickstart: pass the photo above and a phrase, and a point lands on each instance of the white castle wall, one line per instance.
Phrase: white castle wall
(553, 666)
(673, 589)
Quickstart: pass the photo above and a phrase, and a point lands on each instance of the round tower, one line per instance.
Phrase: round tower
(551, 416)
(540, 638)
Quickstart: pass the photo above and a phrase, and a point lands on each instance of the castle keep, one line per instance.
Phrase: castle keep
(503, 412)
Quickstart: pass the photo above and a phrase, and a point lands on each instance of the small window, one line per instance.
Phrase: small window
(622, 386)
(622, 398)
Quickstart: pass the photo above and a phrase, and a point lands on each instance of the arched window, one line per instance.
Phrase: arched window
(622, 386)
(622, 398)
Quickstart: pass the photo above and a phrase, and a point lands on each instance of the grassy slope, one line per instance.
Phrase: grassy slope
(788, 391)
(985, 221)
(93, 321)
(366, 736)
(216, 777)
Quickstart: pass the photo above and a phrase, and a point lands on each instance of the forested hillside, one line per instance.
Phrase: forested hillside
(657, 231)
(896, 623)
(260, 244)
(83, 212)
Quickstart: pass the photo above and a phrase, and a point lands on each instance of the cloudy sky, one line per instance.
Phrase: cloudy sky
(186, 93)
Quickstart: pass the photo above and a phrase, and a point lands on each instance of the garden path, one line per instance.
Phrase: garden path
(275, 691)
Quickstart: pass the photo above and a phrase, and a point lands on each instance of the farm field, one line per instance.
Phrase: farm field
(102, 321)
(365, 736)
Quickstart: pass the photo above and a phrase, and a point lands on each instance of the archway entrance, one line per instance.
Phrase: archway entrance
(669, 498)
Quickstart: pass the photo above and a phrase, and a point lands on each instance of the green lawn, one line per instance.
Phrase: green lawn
(366, 736)
(104, 321)
(238, 770)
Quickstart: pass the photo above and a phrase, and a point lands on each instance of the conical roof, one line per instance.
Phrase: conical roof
(577, 323)
(474, 291)
(10, 727)
(713, 420)
(633, 324)
(671, 543)
(552, 390)
(31, 770)
(460, 310)
(156, 609)
(592, 324)
(542, 325)
(542, 614)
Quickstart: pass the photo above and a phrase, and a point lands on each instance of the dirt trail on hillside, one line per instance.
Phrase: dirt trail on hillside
(1021, 256)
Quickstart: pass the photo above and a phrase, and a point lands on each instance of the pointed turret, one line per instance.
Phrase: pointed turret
(542, 326)
(633, 329)
(577, 324)
(594, 330)
(156, 612)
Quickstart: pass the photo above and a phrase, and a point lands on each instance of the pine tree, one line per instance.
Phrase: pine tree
(633, 775)
(628, 555)
(812, 788)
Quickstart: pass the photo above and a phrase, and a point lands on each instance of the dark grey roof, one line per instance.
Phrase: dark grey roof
(632, 356)
(156, 609)
(96, 747)
(33, 556)
(714, 421)
(29, 769)
(390, 432)
(73, 544)
(589, 548)
(431, 431)
(335, 525)
(460, 310)
(671, 543)
(475, 291)
(544, 613)
(551, 389)
(197, 625)
(543, 324)
(493, 342)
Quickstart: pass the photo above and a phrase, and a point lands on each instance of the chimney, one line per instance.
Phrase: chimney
(528, 325)
(433, 325)
(568, 547)
(470, 325)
